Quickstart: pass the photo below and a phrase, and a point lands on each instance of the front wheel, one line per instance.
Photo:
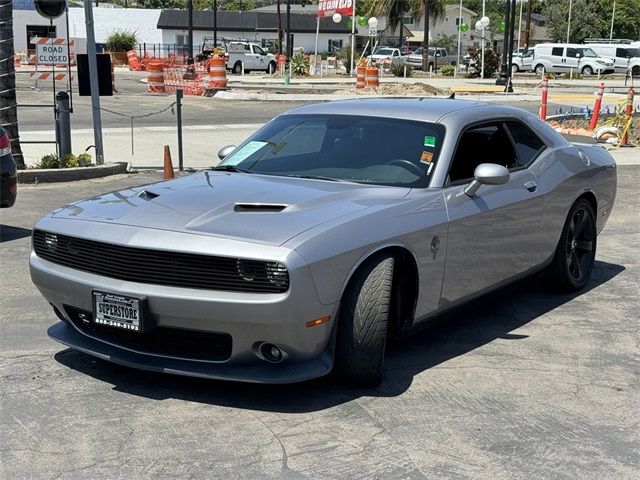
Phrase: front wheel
(514, 68)
(576, 250)
(271, 69)
(540, 69)
(362, 323)
(587, 70)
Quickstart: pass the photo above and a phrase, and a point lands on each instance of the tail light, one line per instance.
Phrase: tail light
(5, 145)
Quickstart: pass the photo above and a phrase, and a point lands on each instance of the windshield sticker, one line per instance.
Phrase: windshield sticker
(426, 157)
(429, 141)
(245, 152)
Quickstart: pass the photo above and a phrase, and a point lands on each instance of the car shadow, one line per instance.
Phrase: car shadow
(9, 233)
(494, 316)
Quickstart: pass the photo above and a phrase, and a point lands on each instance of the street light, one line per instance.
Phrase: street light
(481, 25)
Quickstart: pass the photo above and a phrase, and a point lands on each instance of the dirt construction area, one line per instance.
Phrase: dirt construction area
(522, 384)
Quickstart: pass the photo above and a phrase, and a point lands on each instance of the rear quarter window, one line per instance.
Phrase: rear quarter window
(527, 144)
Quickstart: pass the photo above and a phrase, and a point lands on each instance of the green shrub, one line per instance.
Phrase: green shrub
(121, 41)
(397, 69)
(448, 70)
(299, 65)
(68, 161)
(53, 160)
(49, 161)
(344, 55)
(491, 62)
(84, 160)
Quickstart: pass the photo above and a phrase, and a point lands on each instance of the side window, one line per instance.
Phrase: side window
(622, 53)
(557, 51)
(528, 145)
(572, 52)
(487, 143)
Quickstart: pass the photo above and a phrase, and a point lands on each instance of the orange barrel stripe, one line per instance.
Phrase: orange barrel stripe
(155, 77)
(132, 58)
(217, 72)
(360, 74)
(372, 77)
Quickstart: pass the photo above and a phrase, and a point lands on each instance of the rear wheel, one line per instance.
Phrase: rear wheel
(237, 68)
(362, 323)
(540, 69)
(271, 69)
(576, 250)
(587, 70)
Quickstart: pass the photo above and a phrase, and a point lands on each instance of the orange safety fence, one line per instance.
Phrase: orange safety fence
(192, 79)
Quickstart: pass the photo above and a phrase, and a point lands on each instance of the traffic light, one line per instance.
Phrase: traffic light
(50, 8)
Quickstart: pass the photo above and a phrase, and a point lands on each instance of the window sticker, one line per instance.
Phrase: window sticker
(245, 152)
(426, 157)
(429, 141)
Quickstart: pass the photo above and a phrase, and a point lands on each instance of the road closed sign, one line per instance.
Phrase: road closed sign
(52, 54)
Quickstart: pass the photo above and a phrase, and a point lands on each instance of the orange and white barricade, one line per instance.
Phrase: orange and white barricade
(132, 59)
(360, 74)
(372, 77)
(217, 72)
(155, 77)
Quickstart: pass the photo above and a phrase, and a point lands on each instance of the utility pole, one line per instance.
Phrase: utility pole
(569, 20)
(527, 32)
(279, 27)
(613, 17)
(425, 40)
(504, 75)
(93, 80)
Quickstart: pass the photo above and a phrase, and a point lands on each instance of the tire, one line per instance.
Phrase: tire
(587, 70)
(362, 323)
(636, 71)
(514, 68)
(237, 68)
(540, 70)
(271, 69)
(573, 260)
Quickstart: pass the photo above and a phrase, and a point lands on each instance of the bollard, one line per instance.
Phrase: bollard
(596, 107)
(155, 78)
(282, 62)
(63, 122)
(168, 164)
(360, 73)
(545, 92)
(217, 72)
(628, 115)
(372, 77)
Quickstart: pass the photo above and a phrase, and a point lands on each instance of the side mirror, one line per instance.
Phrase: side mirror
(487, 174)
(226, 151)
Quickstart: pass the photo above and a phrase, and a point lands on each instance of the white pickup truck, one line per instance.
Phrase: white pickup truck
(250, 55)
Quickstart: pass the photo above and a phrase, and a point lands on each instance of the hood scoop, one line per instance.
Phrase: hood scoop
(258, 208)
(147, 195)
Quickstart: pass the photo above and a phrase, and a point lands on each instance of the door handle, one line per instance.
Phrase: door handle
(531, 186)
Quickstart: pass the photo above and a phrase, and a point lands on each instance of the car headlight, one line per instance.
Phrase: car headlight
(277, 273)
(601, 61)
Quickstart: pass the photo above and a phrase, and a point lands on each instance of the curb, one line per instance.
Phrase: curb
(51, 175)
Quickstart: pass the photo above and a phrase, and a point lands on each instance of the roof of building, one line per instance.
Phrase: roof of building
(307, 9)
(248, 21)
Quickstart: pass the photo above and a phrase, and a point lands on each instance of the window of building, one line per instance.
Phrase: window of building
(408, 20)
(181, 39)
(334, 45)
(39, 31)
(459, 20)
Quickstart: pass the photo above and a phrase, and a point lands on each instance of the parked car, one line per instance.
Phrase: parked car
(386, 55)
(437, 58)
(8, 172)
(251, 55)
(565, 57)
(334, 227)
(625, 57)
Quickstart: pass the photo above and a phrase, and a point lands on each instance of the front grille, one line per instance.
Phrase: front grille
(162, 267)
(174, 342)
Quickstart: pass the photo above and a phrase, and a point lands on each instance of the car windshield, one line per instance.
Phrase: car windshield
(384, 51)
(350, 148)
(418, 51)
(587, 52)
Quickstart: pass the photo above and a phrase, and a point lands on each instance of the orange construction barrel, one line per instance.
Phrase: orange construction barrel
(217, 72)
(155, 77)
(372, 77)
(132, 59)
(281, 59)
(360, 74)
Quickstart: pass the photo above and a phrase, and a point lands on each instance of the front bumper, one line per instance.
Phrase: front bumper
(248, 318)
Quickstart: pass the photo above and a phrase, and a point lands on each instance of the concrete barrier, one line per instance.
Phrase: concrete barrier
(51, 175)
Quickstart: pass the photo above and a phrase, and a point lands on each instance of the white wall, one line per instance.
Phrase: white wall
(22, 18)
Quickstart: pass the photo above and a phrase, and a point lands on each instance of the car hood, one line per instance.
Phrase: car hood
(256, 208)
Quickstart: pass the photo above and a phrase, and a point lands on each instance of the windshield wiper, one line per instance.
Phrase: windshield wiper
(316, 177)
(230, 168)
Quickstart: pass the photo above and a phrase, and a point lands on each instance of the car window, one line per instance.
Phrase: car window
(344, 147)
(488, 143)
(573, 52)
(557, 51)
(257, 50)
(588, 52)
(528, 145)
(527, 54)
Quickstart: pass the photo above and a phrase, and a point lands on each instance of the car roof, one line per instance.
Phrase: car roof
(427, 109)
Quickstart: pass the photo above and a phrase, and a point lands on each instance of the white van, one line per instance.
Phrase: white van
(625, 56)
(565, 57)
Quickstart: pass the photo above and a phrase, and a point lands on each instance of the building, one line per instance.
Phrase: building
(256, 26)
(444, 28)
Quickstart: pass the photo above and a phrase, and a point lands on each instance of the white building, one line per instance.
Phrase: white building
(445, 27)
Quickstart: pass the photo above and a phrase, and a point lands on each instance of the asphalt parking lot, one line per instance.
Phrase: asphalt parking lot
(523, 384)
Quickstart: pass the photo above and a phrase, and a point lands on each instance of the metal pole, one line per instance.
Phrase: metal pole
(64, 123)
(93, 78)
(289, 47)
(425, 37)
(504, 75)
(569, 19)
(483, 42)
(190, 31)
(527, 32)
(69, 82)
(520, 27)
(353, 37)
(613, 17)
(455, 72)
(179, 94)
(512, 30)
(215, 24)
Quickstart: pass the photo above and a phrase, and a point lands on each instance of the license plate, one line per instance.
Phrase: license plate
(117, 311)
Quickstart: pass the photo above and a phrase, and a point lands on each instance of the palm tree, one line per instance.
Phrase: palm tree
(394, 10)
(8, 103)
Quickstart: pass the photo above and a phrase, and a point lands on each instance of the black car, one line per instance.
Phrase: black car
(8, 174)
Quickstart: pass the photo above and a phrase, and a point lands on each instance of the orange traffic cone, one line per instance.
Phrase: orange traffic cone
(168, 164)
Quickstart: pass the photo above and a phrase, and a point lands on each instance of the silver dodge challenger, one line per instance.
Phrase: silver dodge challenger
(333, 228)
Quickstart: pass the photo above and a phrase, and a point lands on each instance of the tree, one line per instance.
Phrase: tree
(8, 102)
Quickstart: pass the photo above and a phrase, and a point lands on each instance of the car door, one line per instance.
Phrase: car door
(494, 235)
(527, 60)
(558, 60)
(572, 59)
